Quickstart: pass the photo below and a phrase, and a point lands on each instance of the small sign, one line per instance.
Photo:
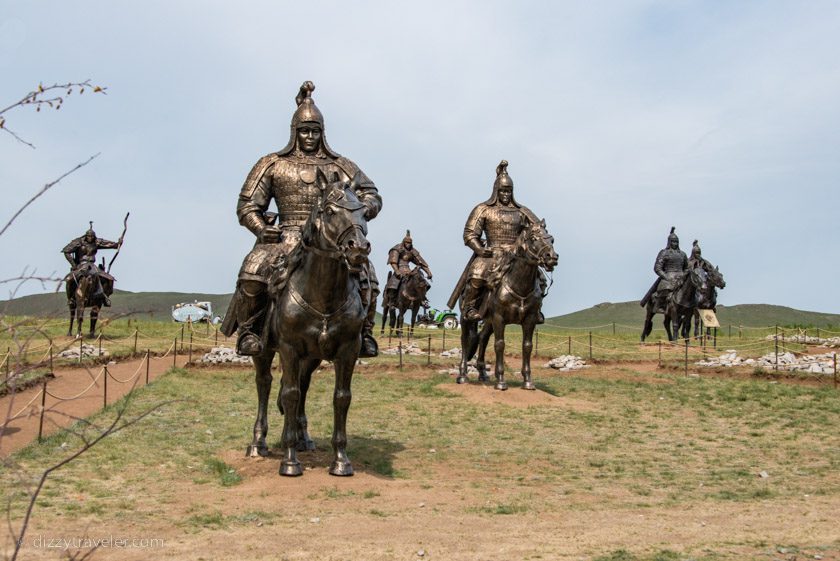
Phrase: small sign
(709, 318)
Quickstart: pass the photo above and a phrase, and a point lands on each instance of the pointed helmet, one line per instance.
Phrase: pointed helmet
(502, 180)
(695, 250)
(306, 112)
(407, 238)
(673, 236)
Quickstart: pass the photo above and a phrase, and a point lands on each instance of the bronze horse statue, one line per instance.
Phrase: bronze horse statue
(410, 296)
(706, 298)
(515, 298)
(316, 313)
(87, 287)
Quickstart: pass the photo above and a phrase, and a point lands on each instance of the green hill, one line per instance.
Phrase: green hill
(156, 305)
(753, 315)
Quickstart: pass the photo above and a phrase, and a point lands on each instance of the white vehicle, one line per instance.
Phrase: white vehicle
(194, 312)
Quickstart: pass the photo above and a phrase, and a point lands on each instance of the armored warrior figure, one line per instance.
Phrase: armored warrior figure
(81, 254)
(499, 219)
(400, 258)
(696, 259)
(670, 266)
(288, 178)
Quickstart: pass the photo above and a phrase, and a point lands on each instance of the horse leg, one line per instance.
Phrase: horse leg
(289, 400)
(72, 317)
(94, 315)
(646, 330)
(499, 347)
(385, 310)
(527, 346)
(667, 323)
(263, 378)
(469, 342)
(480, 363)
(304, 442)
(342, 396)
(80, 316)
(414, 310)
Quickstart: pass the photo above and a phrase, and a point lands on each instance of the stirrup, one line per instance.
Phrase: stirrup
(369, 348)
(249, 344)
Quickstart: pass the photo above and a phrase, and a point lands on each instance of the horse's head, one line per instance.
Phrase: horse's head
(716, 278)
(337, 224)
(538, 245)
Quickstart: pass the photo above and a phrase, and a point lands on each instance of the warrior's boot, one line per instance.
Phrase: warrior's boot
(250, 318)
(369, 346)
(472, 294)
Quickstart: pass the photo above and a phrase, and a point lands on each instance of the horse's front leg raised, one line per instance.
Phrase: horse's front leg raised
(499, 347)
(263, 378)
(527, 346)
(342, 396)
(289, 400)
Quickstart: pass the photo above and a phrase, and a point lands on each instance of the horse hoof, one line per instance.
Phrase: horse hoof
(461, 380)
(290, 469)
(341, 469)
(501, 386)
(483, 378)
(529, 385)
(256, 451)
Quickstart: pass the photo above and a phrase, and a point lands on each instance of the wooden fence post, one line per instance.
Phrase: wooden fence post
(686, 356)
(80, 349)
(429, 352)
(175, 353)
(189, 360)
(136, 331)
(570, 345)
(43, 409)
(590, 345)
(776, 338)
(399, 349)
(105, 389)
(148, 359)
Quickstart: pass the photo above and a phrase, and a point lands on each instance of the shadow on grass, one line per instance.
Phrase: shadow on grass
(369, 455)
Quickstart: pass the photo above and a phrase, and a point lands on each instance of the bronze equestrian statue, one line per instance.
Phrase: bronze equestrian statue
(307, 290)
(406, 287)
(670, 266)
(503, 282)
(88, 284)
(706, 296)
(288, 177)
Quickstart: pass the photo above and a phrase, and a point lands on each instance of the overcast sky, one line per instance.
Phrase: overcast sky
(619, 120)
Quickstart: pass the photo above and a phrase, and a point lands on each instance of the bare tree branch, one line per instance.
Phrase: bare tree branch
(43, 190)
(45, 96)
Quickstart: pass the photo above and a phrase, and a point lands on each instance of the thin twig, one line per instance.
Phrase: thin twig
(43, 190)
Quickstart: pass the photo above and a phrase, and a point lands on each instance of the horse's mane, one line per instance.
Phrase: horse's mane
(502, 266)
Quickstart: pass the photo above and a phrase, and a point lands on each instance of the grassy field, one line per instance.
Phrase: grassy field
(613, 465)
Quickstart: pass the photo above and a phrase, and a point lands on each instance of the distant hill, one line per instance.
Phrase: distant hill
(753, 315)
(158, 305)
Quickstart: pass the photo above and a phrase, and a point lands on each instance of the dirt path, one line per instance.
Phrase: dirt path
(75, 393)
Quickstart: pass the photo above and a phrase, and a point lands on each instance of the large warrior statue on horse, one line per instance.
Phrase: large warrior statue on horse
(88, 284)
(503, 282)
(288, 178)
(307, 290)
(398, 295)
